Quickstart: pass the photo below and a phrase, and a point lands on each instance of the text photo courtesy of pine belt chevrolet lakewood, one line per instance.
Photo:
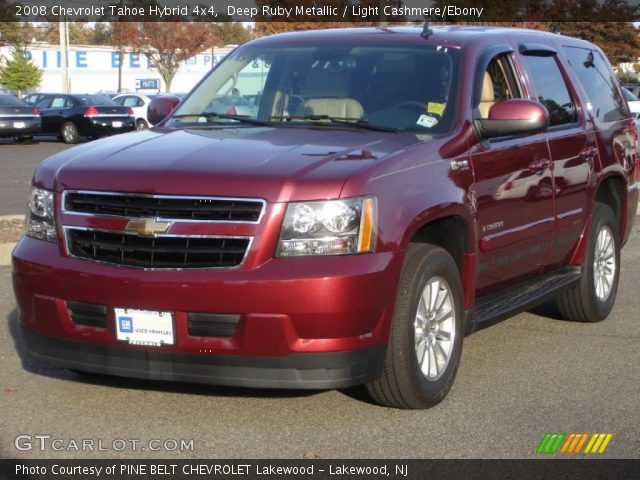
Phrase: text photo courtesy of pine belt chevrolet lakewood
(392, 191)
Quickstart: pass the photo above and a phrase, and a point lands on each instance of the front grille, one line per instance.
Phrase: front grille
(165, 206)
(212, 324)
(88, 314)
(167, 251)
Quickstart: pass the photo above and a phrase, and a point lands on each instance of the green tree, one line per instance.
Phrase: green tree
(19, 74)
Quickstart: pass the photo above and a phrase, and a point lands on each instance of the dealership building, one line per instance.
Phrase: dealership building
(94, 69)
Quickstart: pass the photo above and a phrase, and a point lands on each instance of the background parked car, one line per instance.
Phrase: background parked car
(633, 101)
(33, 98)
(75, 116)
(17, 119)
(139, 103)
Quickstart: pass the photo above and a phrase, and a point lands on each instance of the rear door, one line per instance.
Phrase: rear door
(513, 188)
(53, 112)
(571, 144)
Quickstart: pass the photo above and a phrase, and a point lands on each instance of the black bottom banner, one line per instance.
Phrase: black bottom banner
(316, 469)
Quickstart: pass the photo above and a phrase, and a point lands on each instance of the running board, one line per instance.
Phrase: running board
(496, 307)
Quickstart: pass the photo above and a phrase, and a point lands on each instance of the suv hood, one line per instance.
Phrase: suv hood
(277, 164)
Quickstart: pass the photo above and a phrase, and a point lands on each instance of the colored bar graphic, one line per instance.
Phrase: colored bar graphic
(572, 443)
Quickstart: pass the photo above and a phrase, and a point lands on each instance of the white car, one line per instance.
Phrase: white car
(633, 101)
(139, 103)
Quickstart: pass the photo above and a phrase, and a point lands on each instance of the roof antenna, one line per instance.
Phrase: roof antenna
(426, 31)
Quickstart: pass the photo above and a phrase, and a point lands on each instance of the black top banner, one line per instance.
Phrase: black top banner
(334, 11)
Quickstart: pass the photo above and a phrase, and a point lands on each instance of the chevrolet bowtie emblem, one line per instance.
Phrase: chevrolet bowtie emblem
(147, 227)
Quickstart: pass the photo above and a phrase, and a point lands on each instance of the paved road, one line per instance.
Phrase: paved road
(17, 163)
(517, 380)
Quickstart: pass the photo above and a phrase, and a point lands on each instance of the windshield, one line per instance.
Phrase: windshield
(389, 87)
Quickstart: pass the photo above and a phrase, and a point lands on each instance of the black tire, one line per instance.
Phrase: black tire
(141, 124)
(582, 303)
(403, 384)
(69, 133)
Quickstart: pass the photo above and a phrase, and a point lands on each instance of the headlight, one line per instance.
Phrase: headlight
(40, 221)
(334, 227)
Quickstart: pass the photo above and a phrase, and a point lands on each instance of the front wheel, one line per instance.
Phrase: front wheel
(592, 299)
(426, 332)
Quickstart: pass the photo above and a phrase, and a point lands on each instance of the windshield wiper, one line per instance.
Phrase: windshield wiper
(226, 116)
(350, 122)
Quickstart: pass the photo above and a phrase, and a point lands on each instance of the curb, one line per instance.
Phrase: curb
(7, 248)
(5, 253)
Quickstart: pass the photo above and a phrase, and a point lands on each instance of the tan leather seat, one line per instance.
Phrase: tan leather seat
(488, 99)
(327, 94)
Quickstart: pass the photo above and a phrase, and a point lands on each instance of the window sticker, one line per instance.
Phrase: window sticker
(427, 121)
(435, 108)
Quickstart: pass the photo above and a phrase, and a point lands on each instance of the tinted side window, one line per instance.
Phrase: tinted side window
(551, 89)
(597, 80)
(44, 103)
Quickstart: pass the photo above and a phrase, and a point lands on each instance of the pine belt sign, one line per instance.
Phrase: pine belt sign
(101, 58)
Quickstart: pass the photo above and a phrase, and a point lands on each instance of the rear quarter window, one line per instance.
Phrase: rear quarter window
(598, 82)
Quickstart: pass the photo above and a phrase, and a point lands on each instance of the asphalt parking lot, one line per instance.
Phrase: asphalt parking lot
(518, 380)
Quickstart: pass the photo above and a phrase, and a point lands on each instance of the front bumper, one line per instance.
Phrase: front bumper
(299, 370)
(304, 322)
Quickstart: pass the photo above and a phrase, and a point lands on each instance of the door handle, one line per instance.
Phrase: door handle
(588, 153)
(539, 166)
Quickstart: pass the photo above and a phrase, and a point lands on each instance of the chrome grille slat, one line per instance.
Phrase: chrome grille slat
(215, 209)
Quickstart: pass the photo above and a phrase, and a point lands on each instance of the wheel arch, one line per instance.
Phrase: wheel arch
(611, 192)
(453, 230)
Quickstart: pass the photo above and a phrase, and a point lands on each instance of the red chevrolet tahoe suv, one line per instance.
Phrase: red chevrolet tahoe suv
(373, 197)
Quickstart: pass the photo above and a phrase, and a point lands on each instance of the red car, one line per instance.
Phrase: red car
(394, 190)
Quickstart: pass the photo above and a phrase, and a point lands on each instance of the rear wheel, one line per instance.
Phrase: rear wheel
(141, 124)
(593, 298)
(426, 332)
(69, 133)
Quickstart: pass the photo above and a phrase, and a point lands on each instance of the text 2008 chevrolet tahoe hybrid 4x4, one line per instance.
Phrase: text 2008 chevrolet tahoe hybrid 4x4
(379, 194)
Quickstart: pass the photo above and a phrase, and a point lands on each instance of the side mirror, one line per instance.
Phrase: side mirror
(161, 107)
(513, 117)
